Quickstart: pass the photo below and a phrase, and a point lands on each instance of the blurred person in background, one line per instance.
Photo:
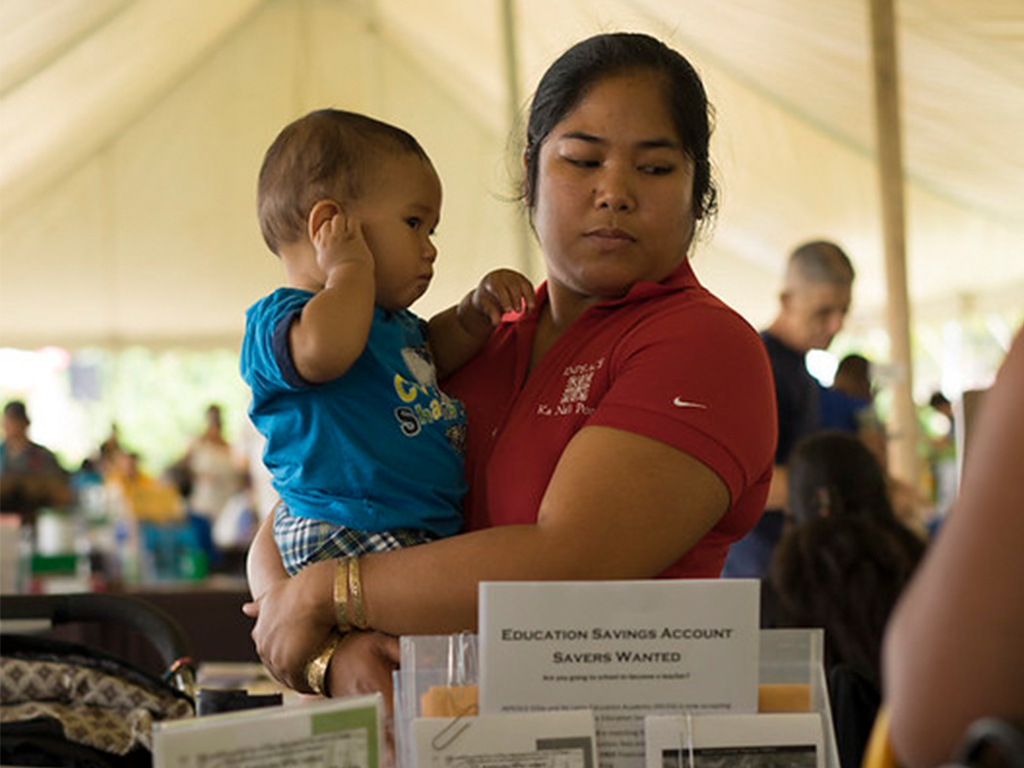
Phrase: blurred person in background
(137, 494)
(829, 572)
(849, 405)
(214, 470)
(841, 564)
(941, 453)
(813, 304)
(31, 477)
(209, 475)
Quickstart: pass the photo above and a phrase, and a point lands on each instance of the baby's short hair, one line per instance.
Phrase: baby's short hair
(327, 153)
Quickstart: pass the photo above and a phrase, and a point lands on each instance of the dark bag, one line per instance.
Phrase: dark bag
(65, 704)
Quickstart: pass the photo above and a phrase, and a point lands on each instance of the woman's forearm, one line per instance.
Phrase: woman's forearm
(646, 507)
(436, 591)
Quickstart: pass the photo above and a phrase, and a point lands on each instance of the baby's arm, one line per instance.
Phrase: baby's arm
(458, 333)
(331, 332)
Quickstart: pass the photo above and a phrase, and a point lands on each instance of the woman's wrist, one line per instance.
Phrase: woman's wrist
(317, 668)
(347, 593)
(318, 583)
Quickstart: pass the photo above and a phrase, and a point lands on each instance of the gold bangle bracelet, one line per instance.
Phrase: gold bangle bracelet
(316, 669)
(341, 580)
(355, 593)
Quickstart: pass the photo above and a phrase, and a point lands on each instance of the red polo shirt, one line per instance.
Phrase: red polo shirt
(668, 361)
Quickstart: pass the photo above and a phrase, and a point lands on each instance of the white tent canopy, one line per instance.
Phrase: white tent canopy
(131, 132)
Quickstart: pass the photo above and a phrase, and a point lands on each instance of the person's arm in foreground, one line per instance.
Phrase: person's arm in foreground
(458, 333)
(618, 506)
(953, 650)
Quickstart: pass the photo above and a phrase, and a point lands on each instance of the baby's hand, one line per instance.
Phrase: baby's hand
(501, 291)
(339, 240)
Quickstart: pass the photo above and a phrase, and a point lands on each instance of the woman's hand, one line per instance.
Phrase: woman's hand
(292, 624)
(362, 663)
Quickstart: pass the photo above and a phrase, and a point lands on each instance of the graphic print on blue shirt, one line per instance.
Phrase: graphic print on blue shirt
(438, 406)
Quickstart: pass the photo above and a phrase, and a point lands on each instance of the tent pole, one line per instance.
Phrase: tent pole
(513, 97)
(903, 462)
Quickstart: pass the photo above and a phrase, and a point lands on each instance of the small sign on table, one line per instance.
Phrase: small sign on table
(623, 649)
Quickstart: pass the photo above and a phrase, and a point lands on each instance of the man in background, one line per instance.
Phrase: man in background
(813, 305)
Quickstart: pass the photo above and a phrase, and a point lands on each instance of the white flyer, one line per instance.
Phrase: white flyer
(735, 741)
(319, 734)
(625, 649)
(531, 740)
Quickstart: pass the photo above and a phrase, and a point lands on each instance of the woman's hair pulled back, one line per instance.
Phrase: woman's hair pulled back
(590, 61)
(834, 473)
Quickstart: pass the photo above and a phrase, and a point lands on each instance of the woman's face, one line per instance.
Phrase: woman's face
(614, 195)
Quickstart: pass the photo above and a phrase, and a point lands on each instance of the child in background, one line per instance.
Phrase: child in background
(364, 448)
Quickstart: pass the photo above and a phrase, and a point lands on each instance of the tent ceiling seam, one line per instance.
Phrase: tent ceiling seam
(827, 131)
(141, 109)
(73, 42)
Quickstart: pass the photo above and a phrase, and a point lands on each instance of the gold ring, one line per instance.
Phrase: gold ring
(316, 669)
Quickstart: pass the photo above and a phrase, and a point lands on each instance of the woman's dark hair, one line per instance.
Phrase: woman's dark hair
(834, 473)
(844, 563)
(843, 574)
(570, 77)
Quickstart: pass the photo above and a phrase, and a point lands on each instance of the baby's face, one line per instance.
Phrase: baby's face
(398, 213)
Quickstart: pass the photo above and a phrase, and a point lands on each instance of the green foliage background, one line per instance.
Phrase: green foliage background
(156, 398)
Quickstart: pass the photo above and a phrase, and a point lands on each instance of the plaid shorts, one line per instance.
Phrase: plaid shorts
(303, 541)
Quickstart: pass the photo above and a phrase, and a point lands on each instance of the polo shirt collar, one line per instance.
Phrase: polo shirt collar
(680, 279)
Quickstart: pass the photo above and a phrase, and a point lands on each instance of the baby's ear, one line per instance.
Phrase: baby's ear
(323, 210)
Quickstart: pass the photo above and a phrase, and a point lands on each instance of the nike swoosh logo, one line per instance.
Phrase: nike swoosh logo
(687, 404)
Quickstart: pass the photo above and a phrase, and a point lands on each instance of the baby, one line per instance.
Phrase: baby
(364, 448)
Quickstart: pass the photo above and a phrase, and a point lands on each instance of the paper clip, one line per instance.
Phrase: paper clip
(450, 733)
(459, 647)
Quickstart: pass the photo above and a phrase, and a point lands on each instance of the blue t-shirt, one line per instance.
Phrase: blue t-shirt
(376, 449)
(842, 411)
